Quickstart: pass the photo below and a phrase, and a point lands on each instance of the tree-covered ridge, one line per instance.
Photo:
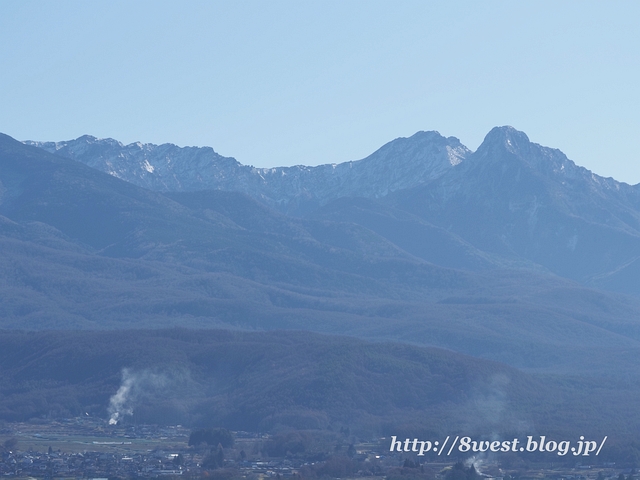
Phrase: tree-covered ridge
(269, 380)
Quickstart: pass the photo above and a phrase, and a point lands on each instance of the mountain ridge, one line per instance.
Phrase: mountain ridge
(422, 157)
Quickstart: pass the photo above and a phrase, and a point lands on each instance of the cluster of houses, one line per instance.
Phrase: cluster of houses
(88, 465)
(156, 464)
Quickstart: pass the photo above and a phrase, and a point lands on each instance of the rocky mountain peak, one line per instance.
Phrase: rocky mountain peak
(501, 140)
(507, 149)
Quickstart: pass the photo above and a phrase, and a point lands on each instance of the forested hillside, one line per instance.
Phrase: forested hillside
(272, 380)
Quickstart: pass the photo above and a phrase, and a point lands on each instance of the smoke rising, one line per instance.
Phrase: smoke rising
(134, 388)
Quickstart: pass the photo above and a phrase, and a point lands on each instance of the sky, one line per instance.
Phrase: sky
(299, 82)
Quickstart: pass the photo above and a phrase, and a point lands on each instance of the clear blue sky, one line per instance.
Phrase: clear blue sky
(307, 82)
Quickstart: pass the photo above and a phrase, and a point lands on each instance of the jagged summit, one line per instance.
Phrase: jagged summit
(503, 141)
(506, 147)
(401, 163)
(506, 134)
(425, 140)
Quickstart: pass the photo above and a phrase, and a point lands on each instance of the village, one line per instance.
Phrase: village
(85, 448)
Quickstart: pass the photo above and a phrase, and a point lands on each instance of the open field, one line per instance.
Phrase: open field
(75, 436)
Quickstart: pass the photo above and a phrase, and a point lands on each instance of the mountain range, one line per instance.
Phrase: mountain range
(511, 253)
(512, 202)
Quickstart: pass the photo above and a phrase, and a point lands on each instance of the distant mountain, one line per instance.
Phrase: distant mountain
(82, 249)
(402, 163)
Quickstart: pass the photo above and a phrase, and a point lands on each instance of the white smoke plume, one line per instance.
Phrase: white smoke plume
(135, 387)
